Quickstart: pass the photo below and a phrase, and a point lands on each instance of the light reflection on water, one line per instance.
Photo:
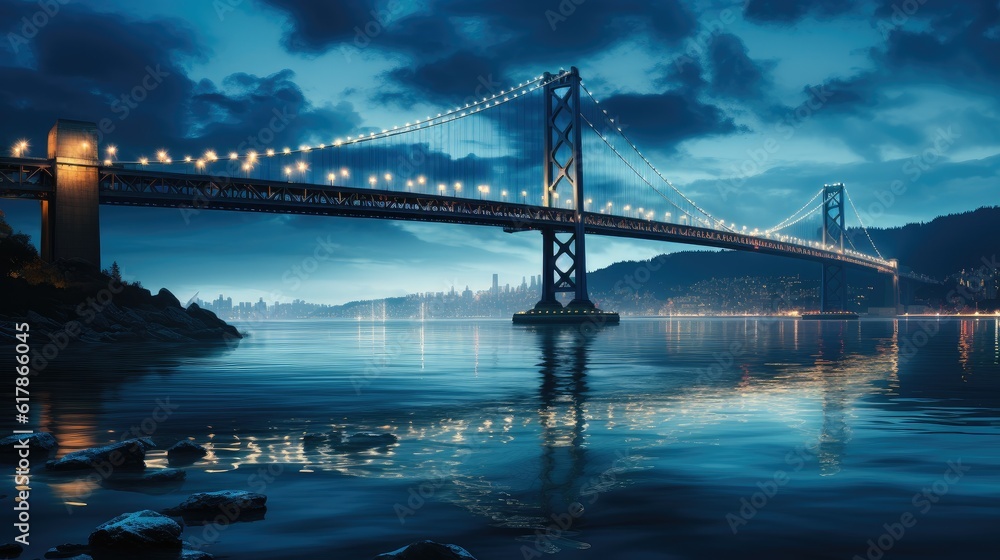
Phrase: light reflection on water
(515, 425)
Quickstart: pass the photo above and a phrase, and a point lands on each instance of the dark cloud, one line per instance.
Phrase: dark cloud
(461, 77)
(314, 26)
(457, 41)
(130, 77)
(734, 73)
(790, 11)
(666, 119)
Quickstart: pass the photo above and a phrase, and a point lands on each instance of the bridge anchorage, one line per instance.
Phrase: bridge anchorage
(564, 254)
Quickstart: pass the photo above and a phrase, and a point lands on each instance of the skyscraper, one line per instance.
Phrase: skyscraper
(496, 284)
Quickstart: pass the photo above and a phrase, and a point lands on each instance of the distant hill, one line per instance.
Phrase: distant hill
(943, 246)
(939, 248)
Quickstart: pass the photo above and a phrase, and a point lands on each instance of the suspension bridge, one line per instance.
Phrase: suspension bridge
(515, 160)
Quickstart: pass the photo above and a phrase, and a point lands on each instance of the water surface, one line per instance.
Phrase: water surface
(673, 438)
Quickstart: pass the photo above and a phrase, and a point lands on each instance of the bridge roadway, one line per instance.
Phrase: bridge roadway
(28, 178)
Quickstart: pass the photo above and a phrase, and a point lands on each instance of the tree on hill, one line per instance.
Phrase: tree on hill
(16, 250)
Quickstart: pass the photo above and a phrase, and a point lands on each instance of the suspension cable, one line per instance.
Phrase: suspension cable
(863, 228)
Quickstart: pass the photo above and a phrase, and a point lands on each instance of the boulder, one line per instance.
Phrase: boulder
(40, 443)
(125, 455)
(139, 531)
(164, 299)
(186, 449)
(366, 440)
(427, 550)
(10, 550)
(67, 551)
(236, 505)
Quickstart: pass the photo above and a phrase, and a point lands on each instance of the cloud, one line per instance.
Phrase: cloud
(791, 11)
(130, 77)
(668, 118)
(734, 73)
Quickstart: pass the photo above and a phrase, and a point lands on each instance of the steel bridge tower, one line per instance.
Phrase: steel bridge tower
(834, 282)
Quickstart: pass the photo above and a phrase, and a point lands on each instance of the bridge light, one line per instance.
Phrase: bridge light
(421, 180)
(287, 151)
(302, 166)
(143, 161)
(388, 177)
(233, 155)
(288, 171)
(107, 162)
(441, 188)
(344, 173)
(84, 144)
(161, 156)
(251, 156)
(200, 164)
(458, 187)
(372, 180)
(270, 152)
(187, 159)
(409, 183)
(331, 177)
(211, 156)
(111, 150)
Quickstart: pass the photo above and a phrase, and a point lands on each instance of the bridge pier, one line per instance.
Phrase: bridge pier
(564, 260)
(71, 217)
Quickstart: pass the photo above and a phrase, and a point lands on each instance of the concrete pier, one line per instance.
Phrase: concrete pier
(71, 219)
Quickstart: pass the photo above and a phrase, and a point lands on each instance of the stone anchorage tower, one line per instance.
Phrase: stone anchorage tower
(564, 262)
(71, 217)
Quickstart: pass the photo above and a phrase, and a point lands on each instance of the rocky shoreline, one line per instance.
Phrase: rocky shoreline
(159, 534)
(94, 308)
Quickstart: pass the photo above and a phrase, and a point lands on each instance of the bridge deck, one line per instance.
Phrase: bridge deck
(29, 178)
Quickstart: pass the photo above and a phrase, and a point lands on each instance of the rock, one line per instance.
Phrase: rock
(365, 439)
(41, 443)
(125, 455)
(186, 449)
(67, 551)
(10, 550)
(164, 299)
(236, 505)
(165, 475)
(159, 476)
(187, 554)
(427, 550)
(139, 531)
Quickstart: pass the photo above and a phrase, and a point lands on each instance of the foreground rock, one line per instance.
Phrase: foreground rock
(427, 550)
(160, 481)
(140, 531)
(186, 451)
(10, 550)
(67, 551)
(234, 505)
(364, 440)
(39, 444)
(125, 455)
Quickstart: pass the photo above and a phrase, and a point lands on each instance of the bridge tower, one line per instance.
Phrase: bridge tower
(833, 286)
(564, 254)
(564, 257)
(71, 217)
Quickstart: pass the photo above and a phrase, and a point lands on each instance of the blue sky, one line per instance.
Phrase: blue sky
(848, 91)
